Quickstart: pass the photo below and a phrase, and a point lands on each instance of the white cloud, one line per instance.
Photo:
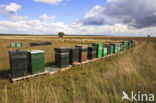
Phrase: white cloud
(44, 17)
(94, 17)
(10, 9)
(19, 18)
(49, 1)
(95, 11)
(38, 27)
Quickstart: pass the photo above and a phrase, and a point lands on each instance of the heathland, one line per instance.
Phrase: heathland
(101, 81)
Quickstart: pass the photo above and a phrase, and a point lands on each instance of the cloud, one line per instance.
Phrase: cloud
(93, 17)
(134, 13)
(49, 1)
(39, 27)
(19, 18)
(44, 17)
(10, 9)
(32, 27)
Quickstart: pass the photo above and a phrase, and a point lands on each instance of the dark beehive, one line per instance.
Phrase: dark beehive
(91, 55)
(91, 49)
(132, 43)
(62, 57)
(129, 44)
(73, 55)
(18, 63)
(61, 50)
(40, 44)
(108, 49)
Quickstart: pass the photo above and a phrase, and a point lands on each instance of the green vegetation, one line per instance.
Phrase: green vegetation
(101, 81)
(61, 34)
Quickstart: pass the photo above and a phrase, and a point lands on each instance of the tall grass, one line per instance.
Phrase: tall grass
(101, 81)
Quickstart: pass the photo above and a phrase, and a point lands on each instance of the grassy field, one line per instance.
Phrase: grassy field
(101, 81)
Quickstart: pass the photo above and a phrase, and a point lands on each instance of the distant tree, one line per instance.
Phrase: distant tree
(60, 34)
(148, 35)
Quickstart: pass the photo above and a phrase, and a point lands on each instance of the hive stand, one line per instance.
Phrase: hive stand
(54, 69)
(27, 76)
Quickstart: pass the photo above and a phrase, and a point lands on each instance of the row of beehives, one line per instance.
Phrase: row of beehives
(23, 63)
(21, 44)
(68, 56)
(16, 44)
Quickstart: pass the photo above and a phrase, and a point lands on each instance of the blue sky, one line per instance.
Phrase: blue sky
(99, 17)
(67, 11)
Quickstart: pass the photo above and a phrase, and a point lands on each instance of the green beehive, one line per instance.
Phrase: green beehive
(18, 44)
(99, 50)
(36, 61)
(124, 46)
(132, 43)
(116, 48)
(12, 45)
(104, 51)
(111, 49)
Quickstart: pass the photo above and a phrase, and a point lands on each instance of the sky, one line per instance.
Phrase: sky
(94, 17)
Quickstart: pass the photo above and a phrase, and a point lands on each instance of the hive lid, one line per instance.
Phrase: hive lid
(36, 51)
(81, 46)
(61, 49)
(15, 51)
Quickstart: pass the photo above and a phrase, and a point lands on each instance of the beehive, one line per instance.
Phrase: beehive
(18, 44)
(91, 49)
(104, 51)
(73, 55)
(91, 55)
(121, 47)
(98, 49)
(12, 45)
(62, 57)
(22, 44)
(36, 61)
(83, 52)
(111, 49)
(114, 48)
(125, 45)
(108, 49)
(132, 43)
(18, 63)
(91, 52)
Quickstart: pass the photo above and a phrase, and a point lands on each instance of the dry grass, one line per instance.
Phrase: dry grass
(99, 82)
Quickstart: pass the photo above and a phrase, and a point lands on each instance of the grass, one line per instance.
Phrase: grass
(101, 81)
